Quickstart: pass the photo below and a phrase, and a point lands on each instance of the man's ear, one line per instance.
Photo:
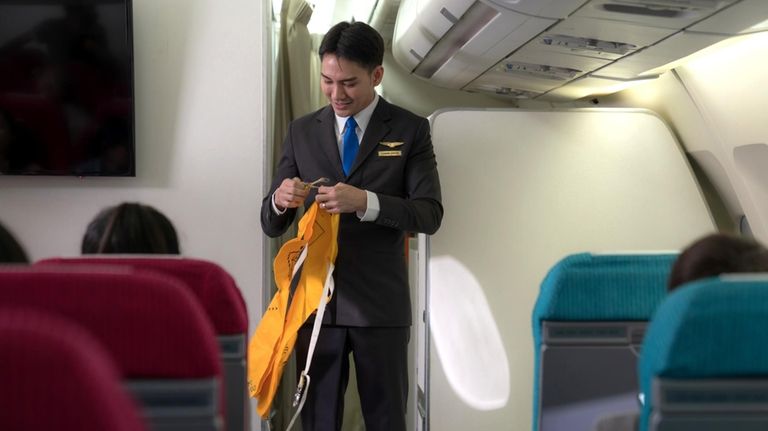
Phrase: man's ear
(377, 75)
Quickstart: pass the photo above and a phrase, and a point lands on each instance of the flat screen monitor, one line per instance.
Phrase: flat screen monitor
(66, 88)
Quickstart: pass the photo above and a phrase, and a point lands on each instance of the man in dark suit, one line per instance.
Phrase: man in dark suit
(382, 179)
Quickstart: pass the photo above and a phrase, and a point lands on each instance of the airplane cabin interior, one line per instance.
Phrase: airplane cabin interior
(581, 146)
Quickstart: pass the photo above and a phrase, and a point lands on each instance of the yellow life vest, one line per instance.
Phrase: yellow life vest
(271, 345)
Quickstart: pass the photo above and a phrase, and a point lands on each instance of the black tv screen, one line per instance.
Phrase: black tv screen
(66, 88)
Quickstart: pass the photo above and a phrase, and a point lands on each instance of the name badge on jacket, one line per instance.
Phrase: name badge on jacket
(392, 152)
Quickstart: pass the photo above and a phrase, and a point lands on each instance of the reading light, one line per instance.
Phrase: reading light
(585, 44)
(514, 93)
(542, 71)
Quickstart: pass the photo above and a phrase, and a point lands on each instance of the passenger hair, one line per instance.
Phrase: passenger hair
(717, 254)
(10, 249)
(354, 41)
(130, 228)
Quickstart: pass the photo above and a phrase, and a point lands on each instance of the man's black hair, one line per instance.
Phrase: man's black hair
(354, 41)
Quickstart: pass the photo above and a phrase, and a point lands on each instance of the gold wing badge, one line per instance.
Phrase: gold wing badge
(392, 152)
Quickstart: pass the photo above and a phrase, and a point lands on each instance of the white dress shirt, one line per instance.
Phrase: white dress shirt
(362, 119)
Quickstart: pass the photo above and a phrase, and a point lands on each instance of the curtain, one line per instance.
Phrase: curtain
(292, 93)
(316, 97)
(292, 100)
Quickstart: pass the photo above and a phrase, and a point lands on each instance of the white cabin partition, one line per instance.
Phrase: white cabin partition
(521, 189)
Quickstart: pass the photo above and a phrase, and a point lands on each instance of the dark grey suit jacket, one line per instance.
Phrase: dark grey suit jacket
(370, 277)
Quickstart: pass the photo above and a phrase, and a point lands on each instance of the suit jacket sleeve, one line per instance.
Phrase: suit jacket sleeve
(421, 210)
(274, 224)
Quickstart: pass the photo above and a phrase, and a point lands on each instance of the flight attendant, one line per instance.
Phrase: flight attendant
(381, 177)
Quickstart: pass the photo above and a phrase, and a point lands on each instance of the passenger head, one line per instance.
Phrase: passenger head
(10, 249)
(717, 254)
(351, 56)
(130, 228)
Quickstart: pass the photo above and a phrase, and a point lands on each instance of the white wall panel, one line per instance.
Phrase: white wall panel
(522, 189)
(717, 105)
(728, 87)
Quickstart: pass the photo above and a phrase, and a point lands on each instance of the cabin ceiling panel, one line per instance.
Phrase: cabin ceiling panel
(557, 9)
(672, 14)
(644, 62)
(485, 49)
(593, 31)
(739, 18)
(616, 39)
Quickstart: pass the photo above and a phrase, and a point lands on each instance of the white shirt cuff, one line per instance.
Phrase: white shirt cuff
(274, 206)
(373, 208)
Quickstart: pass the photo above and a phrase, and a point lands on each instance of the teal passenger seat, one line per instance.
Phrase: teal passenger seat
(588, 323)
(704, 365)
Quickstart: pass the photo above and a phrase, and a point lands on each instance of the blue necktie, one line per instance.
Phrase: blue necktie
(350, 145)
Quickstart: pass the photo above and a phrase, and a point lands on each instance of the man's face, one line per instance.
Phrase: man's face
(348, 86)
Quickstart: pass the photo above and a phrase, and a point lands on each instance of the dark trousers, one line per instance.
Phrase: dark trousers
(381, 362)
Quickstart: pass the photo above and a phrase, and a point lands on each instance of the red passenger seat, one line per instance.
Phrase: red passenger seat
(216, 290)
(151, 324)
(55, 375)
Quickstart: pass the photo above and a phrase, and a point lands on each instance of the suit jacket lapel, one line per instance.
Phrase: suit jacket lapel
(327, 137)
(376, 130)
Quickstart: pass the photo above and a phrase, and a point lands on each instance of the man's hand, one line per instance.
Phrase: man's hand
(291, 193)
(342, 198)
